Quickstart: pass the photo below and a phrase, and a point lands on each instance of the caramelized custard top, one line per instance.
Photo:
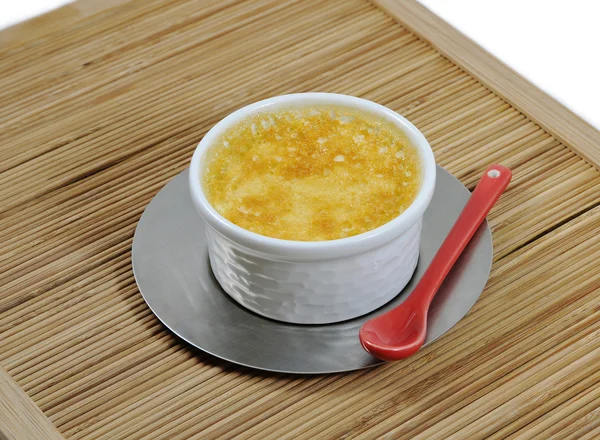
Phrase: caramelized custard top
(311, 173)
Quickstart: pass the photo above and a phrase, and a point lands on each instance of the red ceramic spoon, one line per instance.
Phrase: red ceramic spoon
(400, 332)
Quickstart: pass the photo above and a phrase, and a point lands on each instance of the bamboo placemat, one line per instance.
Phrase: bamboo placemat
(104, 102)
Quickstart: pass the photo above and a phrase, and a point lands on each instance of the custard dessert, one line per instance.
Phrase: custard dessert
(311, 173)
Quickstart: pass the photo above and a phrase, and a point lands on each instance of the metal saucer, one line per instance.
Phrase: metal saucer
(170, 264)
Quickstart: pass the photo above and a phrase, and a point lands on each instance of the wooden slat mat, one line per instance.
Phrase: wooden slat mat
(101, 110)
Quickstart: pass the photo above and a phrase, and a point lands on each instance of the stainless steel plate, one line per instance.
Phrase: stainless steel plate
(170, 263)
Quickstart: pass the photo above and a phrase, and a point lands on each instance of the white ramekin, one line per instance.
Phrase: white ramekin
(314, 282)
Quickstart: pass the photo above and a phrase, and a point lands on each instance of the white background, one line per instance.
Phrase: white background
(14, 11)
(552, 43)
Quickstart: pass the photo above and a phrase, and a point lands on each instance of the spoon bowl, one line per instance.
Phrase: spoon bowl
(395, 335)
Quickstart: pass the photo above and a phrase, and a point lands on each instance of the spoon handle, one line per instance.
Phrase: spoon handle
(488, 191)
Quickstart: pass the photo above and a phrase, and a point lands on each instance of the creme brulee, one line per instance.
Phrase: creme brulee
(312, 173)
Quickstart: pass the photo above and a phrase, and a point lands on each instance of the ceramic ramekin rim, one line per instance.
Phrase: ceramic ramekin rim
(314, 250)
